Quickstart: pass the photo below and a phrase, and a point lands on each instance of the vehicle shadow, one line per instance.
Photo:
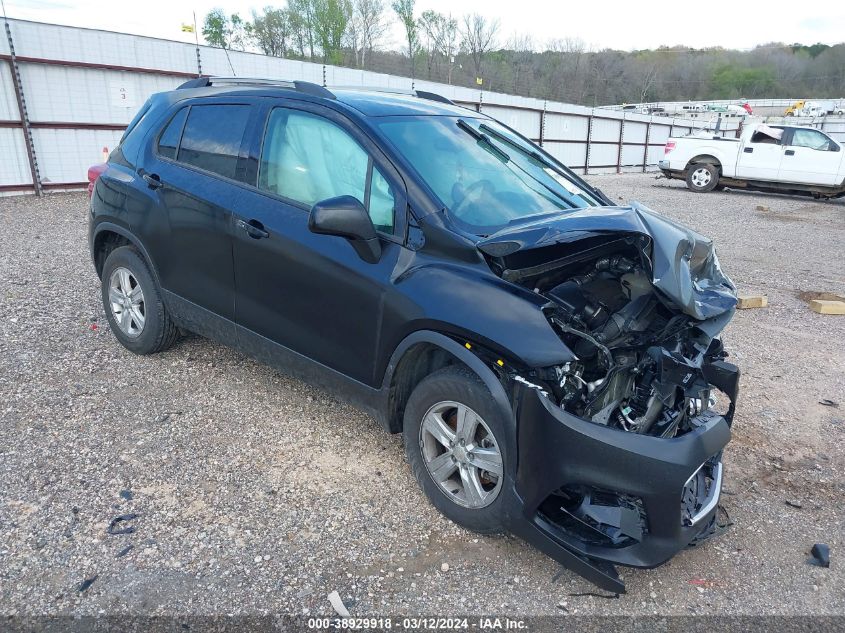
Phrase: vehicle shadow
(679, 184)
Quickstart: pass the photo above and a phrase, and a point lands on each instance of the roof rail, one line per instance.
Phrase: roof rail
(304, 87)
(422, 94)
(433, 96)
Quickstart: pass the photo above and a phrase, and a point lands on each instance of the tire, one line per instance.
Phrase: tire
(702, 177)
(433, 398)
(137, 317)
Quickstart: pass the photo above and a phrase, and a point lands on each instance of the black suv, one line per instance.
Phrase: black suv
(551, 359)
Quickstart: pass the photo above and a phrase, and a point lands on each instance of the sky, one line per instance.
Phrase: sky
(620, 24)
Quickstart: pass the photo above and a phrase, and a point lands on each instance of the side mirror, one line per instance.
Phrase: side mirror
(345, 216)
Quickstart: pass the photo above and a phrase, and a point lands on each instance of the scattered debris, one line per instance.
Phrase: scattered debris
(126, 494)
(751, 301)
(129, 529)
(85, 584)
(94, 327)
(562, 606)
(823, 306)
(821, 555)
(762, 207)
(609, 596)
(829, 403)
(124, 551)
(444, 567)
(794, 503)
(337, 604)
(702, 583)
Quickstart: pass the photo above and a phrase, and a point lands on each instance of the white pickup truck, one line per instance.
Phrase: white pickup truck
(789, 159)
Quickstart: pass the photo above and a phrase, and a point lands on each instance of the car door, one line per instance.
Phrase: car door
(192, 169)
(810, 157)
(311, 293)
(759, 158)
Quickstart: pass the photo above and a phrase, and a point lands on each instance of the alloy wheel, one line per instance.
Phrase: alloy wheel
(126, 300)
(461, 454)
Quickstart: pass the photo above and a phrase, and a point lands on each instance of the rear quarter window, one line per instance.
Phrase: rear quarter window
(168, 142)
(212, 137)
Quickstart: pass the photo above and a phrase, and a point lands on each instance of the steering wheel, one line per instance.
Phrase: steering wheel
(473, 194)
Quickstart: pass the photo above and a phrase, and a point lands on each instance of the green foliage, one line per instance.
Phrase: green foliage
(271, 30)
(404, 10)
(225, 31)
(813, 51)
(455, 50)
(215, 28)
(330, 20)
(731, 82)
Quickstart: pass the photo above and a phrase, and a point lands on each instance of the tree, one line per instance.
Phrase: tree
(479, 37)
(405, 10)
(301, 17)
(224, 31)
(330, 20)
(430, 25)
(239, 32)
(730, 82)
(449, 42)
(215, 28)
(521, 58)
(271, 30)
(367, 28)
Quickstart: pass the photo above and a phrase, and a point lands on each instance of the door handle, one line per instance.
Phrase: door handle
(153, 180)
(790, 152)
(253, 228)
(748, 150)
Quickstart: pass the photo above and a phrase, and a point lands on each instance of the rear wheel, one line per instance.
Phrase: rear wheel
(458, 445)
(702, 177)
(133, 304)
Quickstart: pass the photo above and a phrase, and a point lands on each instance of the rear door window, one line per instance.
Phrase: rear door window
(212, 137)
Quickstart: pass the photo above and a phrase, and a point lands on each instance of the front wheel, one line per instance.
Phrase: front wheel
(702, 177)
(458, 444)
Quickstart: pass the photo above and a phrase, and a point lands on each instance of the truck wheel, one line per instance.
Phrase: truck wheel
(702, 178)
(458, 445)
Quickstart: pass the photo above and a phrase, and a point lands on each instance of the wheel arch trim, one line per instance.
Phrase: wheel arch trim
(111, 227)
(461, 353)
(705, 159)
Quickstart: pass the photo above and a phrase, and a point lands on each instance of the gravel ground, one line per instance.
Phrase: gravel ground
(256, 493)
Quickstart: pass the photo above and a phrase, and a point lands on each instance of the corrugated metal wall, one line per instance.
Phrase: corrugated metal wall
(83, 86)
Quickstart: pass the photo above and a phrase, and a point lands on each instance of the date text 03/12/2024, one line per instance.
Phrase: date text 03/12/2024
(417, 624)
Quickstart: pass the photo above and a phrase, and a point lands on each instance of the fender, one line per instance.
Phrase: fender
(467, 303)
(490, 380)
(124, 232)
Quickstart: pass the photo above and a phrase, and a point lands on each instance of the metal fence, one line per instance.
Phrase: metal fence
(67, 94)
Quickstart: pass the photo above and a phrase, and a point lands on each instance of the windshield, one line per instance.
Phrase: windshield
(484, 175)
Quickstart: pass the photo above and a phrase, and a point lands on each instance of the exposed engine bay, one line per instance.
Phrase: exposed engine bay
(639, 363)
(641, 355)
(638, 303)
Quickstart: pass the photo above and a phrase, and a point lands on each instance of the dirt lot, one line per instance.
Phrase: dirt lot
(256, 493)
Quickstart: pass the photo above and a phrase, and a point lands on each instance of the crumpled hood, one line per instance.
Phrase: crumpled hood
(684, 265)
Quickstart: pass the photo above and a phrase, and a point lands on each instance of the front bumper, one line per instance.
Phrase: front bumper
(669, 486)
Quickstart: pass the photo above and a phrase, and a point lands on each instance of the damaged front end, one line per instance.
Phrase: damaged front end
(620, 447)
